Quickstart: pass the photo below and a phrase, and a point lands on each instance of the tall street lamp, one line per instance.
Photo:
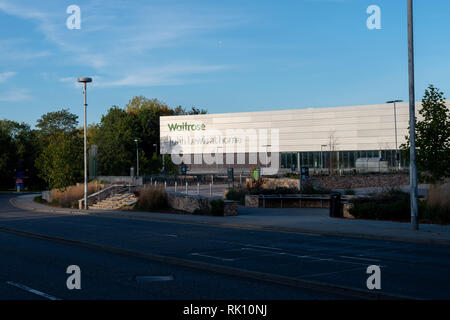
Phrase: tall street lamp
(397, 163)
(162, 158)
(412, 122)
(321, 157)
(137, 158)
(84, 81)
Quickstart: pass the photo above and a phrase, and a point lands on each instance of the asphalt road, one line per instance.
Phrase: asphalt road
(119, 259)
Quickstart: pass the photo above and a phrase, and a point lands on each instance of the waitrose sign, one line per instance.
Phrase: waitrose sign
(186, 126)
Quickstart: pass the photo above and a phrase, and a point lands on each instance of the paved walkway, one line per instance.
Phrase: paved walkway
(295, 220)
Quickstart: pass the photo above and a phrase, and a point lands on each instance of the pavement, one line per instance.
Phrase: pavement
(293, 220)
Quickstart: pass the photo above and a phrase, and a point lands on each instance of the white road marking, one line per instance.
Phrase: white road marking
(154, 278)
(39, 293)
(329, 273)
(171, 235)
(262, 247)
(365, 259)
(213, 257)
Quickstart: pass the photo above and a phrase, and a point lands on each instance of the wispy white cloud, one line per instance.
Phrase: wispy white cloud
(6, 75)
(160, 76)
(111, 43)
(15, 95)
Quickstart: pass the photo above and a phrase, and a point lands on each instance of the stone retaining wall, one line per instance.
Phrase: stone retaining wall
(191, 203)
(361, 181)
(272, 183)
(188, 203)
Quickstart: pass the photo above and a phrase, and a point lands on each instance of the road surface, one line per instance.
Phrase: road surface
(134, 259)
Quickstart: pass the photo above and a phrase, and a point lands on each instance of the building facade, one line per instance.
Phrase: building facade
(317, 138)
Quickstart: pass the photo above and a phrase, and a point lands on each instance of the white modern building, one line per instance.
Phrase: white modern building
(288, 139)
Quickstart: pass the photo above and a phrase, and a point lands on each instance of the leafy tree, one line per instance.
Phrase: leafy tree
(182, 111)
(432, 136)
(116, 134)
(26, 150)
(55, 122)
(60, 163)
(7, 158)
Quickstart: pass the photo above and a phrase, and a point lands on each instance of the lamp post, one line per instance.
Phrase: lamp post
(217, 164)
(397, 163)
(321, 157)
(412, 121)
(137, 158)
(84, 81)
(162, 157)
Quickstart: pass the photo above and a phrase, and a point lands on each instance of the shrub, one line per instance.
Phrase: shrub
(151, 198)
(236, 194)
(279, 190)
(391, 204)
(437, 207)
(394, 204)
(309, 189)
(217, 207)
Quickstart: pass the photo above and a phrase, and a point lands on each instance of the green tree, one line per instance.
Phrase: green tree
(60, 163)
(58, 121)
(26, 150)
(7, 158)
(432, 136)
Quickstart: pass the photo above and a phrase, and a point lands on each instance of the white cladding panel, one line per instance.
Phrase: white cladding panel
(369, 127)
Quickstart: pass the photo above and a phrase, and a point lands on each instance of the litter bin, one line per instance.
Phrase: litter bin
(257, 173)
(335, 205)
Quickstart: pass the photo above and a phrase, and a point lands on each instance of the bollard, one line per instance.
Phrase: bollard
(212, 179)
(186, 187)
(198, 188)
(175, 186)
(210, 190)
(165, 185)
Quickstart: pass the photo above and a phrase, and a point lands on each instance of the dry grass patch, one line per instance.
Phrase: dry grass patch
(152, 198)
(70, 196)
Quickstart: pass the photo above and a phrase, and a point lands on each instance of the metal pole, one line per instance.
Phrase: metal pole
(396, 148)
(412, 122)
(85, 150)
(137, 160)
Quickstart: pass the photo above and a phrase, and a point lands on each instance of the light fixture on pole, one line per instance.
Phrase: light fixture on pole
(84, 81)
(412, 122)
(163, 170)
(137, 158)
(321, 157)
(397, 163)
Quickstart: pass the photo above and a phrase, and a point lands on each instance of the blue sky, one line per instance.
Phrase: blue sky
(225, 56)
